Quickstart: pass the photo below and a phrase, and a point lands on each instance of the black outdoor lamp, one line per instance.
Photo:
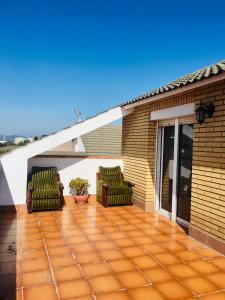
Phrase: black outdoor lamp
(204, 109)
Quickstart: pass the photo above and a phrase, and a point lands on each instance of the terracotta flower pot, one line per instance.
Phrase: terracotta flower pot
(81, 199)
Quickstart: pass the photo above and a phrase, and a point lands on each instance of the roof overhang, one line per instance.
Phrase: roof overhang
(177, 91)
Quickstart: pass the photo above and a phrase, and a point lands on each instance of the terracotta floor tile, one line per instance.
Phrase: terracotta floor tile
(135, 221)
(218, 279)
(208, 253)
(77, 239)
(118, 235)
(97, 237)
(37, 292)
(37, 277)
(129, 227)
(32, 237)
(133, 251)
(73, 288)
(157, 274)
(60, 261)
(182, 271)
(58, 242)
(121, 265)
(214, 296)
(37, 244)
(173, 290)
(52, 235)
(154, 248)
(161, 238)
(111, 254)
(151, 232)
(35, 264)
(174, 246)
(83, 298)
(145, 262)
(219, 262)
(50, 228)
(124, 242)
(132, 279)
(19, 294)
(59, 251)
(199, 285)
(105, 283)
(136, 233)
(142, 240)
(81, 248)
(33, 254)
(95, 269)
(117, 250)
(192, 244)
(110, 229)
(187, 255)
(105, 245)
(203, 267)
(18, 280)
(114, 296)
(88, 257)
(145, 293)
(166, 259)
(66, 273)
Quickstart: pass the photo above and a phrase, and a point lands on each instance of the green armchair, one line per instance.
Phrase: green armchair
(45, 191)
(112, 189)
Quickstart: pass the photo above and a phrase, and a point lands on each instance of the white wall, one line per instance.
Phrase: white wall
(72, 167)
(5, 195)
(14, 164)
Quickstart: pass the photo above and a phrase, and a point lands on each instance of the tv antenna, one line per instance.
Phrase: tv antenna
(76, 114)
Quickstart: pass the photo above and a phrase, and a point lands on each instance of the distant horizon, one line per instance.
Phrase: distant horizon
(95, 55)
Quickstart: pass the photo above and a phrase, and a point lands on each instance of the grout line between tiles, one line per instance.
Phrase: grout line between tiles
(50, 264)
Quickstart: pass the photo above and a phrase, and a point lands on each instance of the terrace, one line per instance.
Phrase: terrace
(90, 252)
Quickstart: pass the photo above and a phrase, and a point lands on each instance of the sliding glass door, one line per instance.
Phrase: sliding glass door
(174, 170)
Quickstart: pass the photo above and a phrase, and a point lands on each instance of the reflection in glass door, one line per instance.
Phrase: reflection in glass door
(184, 172)
(167, 168)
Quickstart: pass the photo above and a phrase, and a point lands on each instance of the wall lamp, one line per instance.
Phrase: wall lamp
(202, 110)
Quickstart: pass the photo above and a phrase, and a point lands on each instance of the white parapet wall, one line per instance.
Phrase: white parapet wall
(72, 167)
(14, 164)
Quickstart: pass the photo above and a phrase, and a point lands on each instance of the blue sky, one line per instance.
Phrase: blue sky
(95, 54)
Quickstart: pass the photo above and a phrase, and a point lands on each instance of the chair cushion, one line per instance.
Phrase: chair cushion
(119, 190)
(42, 176)
(111, 176)
(46, 192)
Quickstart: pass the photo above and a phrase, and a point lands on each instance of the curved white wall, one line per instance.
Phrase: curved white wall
(72, 167)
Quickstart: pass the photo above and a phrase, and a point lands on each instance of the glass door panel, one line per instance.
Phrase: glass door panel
(184, 172)
(167, 167)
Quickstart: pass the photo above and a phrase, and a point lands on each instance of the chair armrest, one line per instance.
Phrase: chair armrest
(105, 185)
(60, 185)
(128, 183)
(30, 186)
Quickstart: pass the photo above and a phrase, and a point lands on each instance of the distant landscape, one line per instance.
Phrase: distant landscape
(10, 138)
(7, 148)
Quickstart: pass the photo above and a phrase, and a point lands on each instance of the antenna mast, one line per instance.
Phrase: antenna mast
(76, 114)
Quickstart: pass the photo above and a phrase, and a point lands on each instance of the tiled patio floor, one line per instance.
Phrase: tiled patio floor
(89, 252)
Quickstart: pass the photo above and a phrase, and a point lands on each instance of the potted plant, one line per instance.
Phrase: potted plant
(79, 190)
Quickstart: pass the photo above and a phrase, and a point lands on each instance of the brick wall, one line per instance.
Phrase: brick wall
(208, 182)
